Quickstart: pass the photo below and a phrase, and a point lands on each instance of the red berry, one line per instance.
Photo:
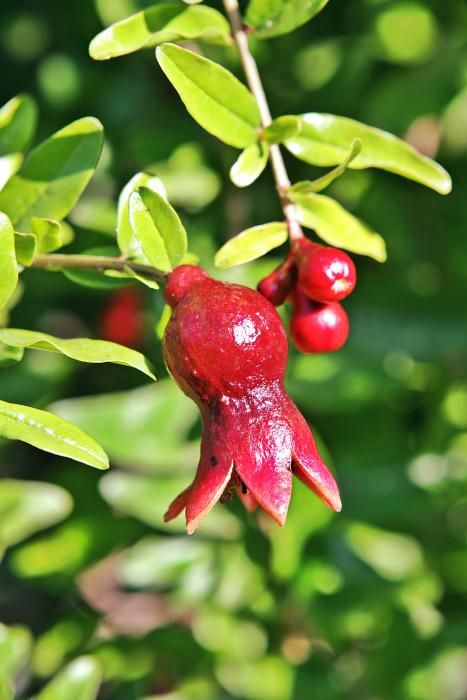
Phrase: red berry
(180, 281)
(317, 327)
(226, 348)
(325, 274)
(277, 286)
(122, 320)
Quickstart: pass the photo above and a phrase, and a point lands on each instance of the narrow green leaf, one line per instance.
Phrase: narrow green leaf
(337, 226)
(49, 233)
(324, 140)
(325, 180)
(54, 174)
(29, 506)
(80, 680)
(169, 21)
(8, 267)
(26, 248)
(249, 165)
(125, 237)
(157, 229)
(282, 129)
(152, 284)
(18, 119)
(251, 244)
(274, 17)
(81, 349)
(214, 97)
(50, 433)
(163, 321)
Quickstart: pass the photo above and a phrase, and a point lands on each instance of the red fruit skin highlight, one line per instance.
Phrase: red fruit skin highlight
(324, 274)
(226, 348)
(316, 327)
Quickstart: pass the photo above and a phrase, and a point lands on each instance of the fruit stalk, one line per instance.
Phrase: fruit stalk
(255, 84)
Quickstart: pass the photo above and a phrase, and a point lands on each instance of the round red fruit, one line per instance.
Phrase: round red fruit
(325, 274)
(317, 327)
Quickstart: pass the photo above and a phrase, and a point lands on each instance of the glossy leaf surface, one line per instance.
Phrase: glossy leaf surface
(273, 17)
(249, 165)
(8, 267)
(251, 244)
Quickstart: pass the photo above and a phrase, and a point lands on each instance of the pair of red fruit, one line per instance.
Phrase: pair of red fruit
(315, 279)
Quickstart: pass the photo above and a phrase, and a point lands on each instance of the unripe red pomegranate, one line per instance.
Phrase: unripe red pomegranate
(226, 348)
(316, 327)
(277, 286)
(324, 274)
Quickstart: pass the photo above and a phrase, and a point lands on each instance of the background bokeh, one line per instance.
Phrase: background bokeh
(369, 604)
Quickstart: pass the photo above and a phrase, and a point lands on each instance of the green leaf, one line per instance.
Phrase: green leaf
(169, 21)
(125, 238)
(18, 119)
(147, 499)
(324, 181)
(8, 266)
(81, 349)
(49, 233)
(274, 17)
(157, 229)
(80, 680)
(324, 140)
(337, 226)
(249, 165)
(214, 97)
(282, 129)
(15, 649)
(54, 174)
(251, 244)
(10, 355)
(50, 433)
(29, 506)
(26, 248)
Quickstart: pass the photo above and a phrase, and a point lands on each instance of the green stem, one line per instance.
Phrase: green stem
(97, 263)
(255, 84)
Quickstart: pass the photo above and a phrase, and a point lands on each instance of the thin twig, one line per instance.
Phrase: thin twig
(97, 263)
(256, 86)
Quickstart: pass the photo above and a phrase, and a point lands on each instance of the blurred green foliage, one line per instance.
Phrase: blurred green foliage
(370, 603)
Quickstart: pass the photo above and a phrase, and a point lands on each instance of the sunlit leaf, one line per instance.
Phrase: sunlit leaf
(18, 119)
(213, 96)
(29, 506)
(274, 17)
(26, 248)
(125, 237)
(324, 181)
(157, 229)
(147, 499)
(282, 129)
(324, 140)
(10, 355)
(146, 428)
(251, 244)
(50, 433)
(49, 234)
(15, 649)
(169, 21)
(249, 165)
(8, 267)
(81, 349)
(392, 555)
(336, 226)
(54, 174)
(80, 680)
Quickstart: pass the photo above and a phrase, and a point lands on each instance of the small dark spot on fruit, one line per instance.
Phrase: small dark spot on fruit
(213, 461)
(244, 489)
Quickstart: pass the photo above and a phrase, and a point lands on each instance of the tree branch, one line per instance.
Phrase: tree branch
(97, 263)
(256, 86)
